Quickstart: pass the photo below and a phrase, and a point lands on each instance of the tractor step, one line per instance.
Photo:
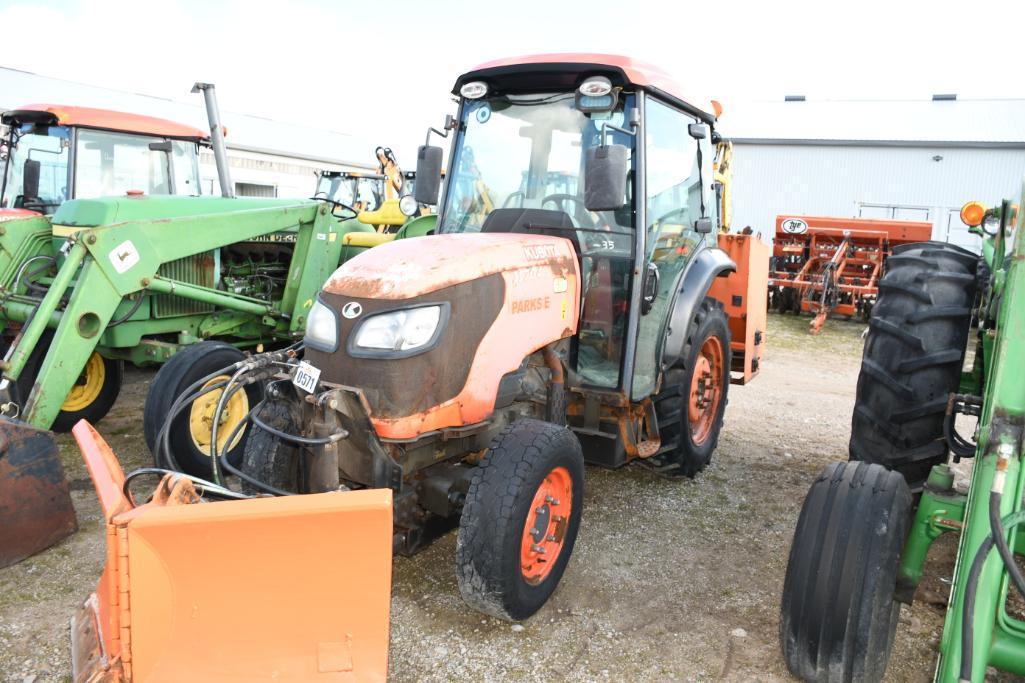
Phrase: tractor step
(648, 448)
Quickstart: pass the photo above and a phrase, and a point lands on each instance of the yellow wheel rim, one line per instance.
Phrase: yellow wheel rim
(201, 417)
(89, 385)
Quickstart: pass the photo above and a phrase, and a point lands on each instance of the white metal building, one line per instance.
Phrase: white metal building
(911, 159)
(267, 158)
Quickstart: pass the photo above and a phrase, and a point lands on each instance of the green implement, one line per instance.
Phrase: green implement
(849, 573)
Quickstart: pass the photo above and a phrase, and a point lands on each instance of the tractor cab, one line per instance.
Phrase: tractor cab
(361, 191)
(609, 154)
(52, 153)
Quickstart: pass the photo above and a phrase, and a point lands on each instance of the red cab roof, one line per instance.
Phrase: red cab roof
(87, 117)
(630, 71)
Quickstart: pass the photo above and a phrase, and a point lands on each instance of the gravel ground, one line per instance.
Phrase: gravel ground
(670, 580)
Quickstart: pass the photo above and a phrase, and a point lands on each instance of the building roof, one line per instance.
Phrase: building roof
(245, 131)
(946, 122)
(106, 119)
(634, 72)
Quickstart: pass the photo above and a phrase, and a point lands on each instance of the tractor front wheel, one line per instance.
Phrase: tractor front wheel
(269, 459)
(520, 519)
(191, 431)
(91, 398)
(839, 615)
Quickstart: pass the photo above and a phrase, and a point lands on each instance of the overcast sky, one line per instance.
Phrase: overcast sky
(383, 70)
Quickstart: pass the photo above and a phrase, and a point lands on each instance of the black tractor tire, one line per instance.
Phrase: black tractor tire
(838, 614)
(519, 460)
(914, 351)
(181, 370)
(112, 374)
(267, 458)
(678, 444)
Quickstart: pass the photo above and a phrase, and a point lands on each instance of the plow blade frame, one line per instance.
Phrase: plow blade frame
(291, 588)
(35, 503)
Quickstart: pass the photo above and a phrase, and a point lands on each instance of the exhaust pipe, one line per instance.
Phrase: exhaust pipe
(213, 115)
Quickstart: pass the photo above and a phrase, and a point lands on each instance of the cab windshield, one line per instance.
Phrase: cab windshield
(46, 150)
(360, 192)
(106, 164)
(528, 151)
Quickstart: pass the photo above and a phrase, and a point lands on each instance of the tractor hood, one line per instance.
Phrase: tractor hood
(92, 213)
(409, 268)
(504, 295)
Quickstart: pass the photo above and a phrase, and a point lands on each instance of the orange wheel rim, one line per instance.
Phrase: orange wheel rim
(705, 390)
(544, 531)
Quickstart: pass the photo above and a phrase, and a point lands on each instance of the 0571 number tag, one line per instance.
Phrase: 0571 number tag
(306, 377)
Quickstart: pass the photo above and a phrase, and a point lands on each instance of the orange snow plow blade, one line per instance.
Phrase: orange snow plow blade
(286, 589)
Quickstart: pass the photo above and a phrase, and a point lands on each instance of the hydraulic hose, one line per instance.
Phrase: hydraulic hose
(971, 586)
(230, 390)
(205, 487)
(186, 398)
(295, 438)
(263, 486)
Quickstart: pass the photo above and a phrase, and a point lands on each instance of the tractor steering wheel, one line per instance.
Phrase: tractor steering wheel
(560, 200)
(337, 206)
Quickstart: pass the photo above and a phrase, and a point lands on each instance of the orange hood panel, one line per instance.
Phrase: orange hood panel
(404, 269)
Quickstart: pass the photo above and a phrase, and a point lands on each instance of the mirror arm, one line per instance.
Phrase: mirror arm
(605, 126)
(450, 124)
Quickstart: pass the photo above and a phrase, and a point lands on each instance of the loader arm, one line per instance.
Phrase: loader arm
(107, 263)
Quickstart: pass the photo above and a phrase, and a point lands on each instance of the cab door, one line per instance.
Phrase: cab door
(677, 188)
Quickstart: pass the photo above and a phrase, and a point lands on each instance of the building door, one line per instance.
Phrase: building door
(255, 190)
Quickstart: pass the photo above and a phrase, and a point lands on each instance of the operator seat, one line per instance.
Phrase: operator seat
(533, 222)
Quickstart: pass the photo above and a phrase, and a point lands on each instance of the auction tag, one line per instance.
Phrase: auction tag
(306, 377)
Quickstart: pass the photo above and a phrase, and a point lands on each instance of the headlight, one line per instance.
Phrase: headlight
(404, 332)
(408, 205)
(322, 328)
(474, 90)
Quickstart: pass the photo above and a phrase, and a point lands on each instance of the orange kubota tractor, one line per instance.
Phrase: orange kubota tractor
(462, 377)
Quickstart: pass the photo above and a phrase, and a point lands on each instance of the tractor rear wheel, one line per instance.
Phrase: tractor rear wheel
(914, 351)
(691, 404)
(520, 519)
(191, 431)
(91, 398)
(838, 614)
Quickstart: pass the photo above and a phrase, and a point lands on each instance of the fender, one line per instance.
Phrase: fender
(708, 264)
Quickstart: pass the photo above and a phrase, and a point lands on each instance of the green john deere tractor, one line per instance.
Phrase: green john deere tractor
(140, 278)
(867, 524)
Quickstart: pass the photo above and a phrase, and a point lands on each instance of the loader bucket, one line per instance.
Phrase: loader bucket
(35, 503)
(292, 588)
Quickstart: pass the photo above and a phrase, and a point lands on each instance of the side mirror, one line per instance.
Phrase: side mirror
(703, 226)
(605, 177)
(428, 174)
(698, 131)
(30, 179)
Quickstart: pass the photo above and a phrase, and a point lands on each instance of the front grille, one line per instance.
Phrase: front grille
(194, 270)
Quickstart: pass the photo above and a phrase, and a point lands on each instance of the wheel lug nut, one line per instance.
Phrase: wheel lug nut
(537, 549)
(534, 532)
(550, 537)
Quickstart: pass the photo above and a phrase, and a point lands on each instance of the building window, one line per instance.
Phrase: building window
(255, 190)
